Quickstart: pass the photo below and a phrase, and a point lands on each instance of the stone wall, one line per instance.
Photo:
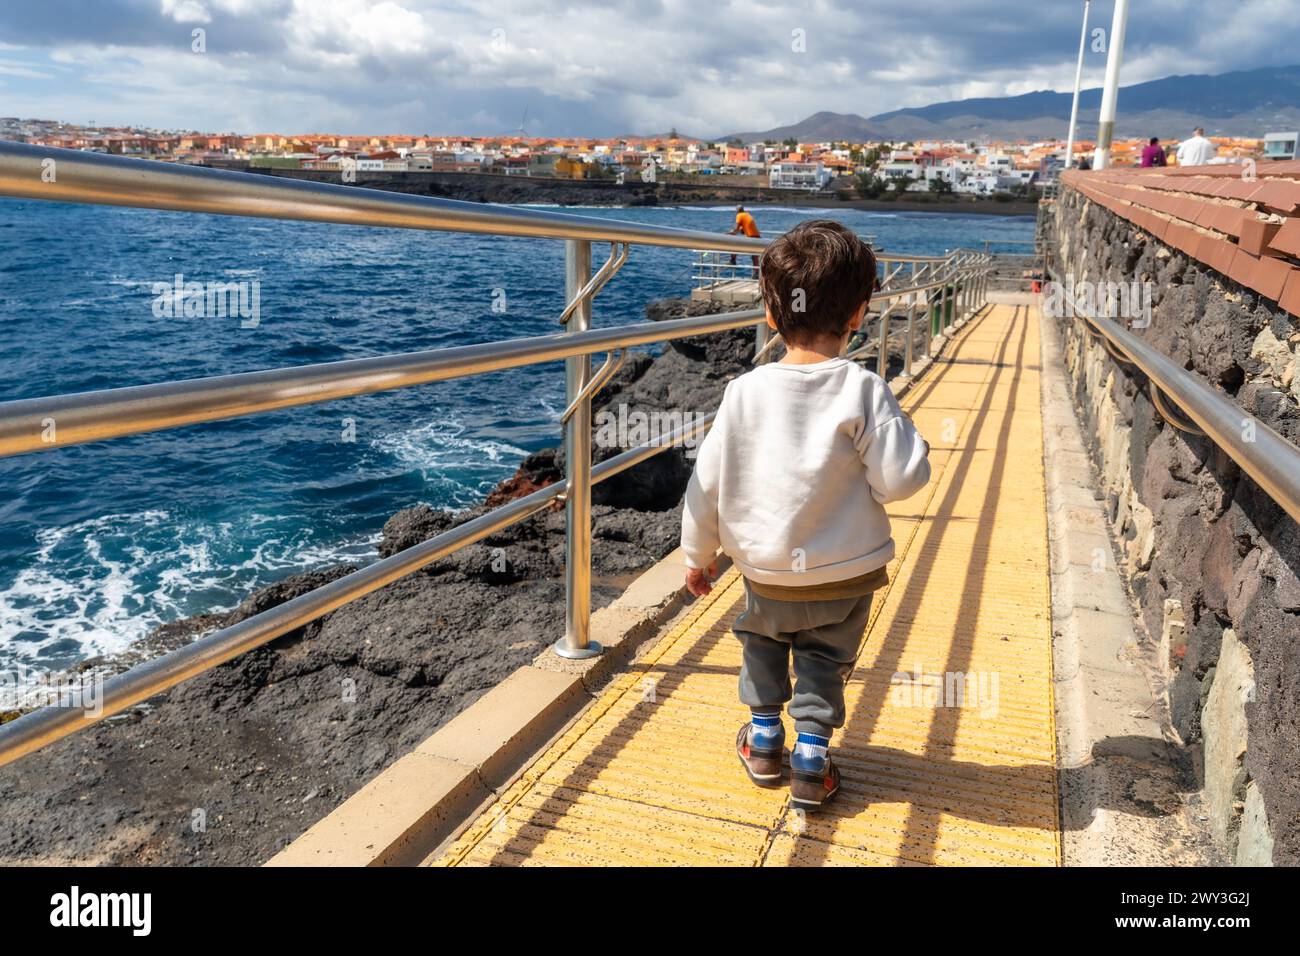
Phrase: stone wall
(1212, 561)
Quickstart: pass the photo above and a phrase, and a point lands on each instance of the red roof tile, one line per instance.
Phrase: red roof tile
(1280, 194)
(1287, 239)
(1236, 188)
(1256, 234)
(1228, 219)
(1215, 252)
(1243, 266)
(1270, 277)
(1291, 294)
(1224, 254)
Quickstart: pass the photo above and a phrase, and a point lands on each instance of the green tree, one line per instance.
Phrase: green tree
(869, 186)
(940, 186)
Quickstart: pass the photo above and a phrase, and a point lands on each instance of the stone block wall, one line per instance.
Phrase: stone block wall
(1213, 562)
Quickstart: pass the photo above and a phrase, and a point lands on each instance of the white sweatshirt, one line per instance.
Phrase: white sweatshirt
(791, 479)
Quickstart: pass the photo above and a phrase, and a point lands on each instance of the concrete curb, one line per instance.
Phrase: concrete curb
(1115, 763)
(423, 798)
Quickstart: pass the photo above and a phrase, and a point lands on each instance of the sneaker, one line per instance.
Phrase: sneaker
(763, 764)
(809, 789)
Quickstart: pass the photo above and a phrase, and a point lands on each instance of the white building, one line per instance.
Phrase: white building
(983, 182)
(899, 169)
(1280, 145)
(788, 175)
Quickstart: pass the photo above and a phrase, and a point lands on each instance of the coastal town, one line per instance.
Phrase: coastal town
(869, 170)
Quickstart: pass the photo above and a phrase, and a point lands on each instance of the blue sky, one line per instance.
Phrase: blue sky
(578, 67)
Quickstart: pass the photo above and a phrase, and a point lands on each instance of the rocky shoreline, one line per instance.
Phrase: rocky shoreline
(524, 190)
(229, 767)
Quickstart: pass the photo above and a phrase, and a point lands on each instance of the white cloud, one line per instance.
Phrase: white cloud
(186, 11)
(584, 65)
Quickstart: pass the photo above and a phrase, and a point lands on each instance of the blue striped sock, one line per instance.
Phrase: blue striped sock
(765, 728)
(810, 751)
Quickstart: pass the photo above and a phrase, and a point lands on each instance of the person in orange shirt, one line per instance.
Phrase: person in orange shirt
(745, 224)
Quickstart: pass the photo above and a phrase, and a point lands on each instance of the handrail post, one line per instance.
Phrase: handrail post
(943, 303)
(962, 293)
(967, 290)
(928, 301)
(762, 333)
(956, 290)
(882, 355)
(576, 642)
(911, 335)
(956, 293)
(950, 294)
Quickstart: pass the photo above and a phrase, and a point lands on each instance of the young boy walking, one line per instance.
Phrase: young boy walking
(790, 483)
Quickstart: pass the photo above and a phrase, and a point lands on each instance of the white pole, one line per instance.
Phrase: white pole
(1110, 96)
(1078, 82)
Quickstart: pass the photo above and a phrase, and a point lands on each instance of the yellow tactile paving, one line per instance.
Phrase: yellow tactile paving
(936, 769)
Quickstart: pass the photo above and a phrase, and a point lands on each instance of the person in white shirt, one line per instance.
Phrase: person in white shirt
(790, 483)
(1197, 151)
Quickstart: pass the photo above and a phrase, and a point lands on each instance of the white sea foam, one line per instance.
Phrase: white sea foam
(97, 586)
(758, 208)
(463, 465)
(552, 410)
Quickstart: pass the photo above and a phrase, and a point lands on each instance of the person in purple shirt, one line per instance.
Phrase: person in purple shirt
(1153, 154)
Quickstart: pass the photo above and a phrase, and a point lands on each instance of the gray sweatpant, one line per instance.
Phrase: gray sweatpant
(824, 638)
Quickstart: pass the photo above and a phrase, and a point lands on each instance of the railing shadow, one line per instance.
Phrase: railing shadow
(602, 755)
(920, 828)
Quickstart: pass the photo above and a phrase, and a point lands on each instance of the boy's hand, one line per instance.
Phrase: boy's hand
(699, 581)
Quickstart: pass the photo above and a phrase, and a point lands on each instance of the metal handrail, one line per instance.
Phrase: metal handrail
(69, 175)
(1271, 460)
(707, 269)
(92, 416)
(115, 412)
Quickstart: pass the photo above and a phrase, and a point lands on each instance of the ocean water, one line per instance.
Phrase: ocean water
(100, 543)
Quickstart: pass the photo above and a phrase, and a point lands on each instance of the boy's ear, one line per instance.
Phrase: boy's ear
(855, 323)
(771, 322)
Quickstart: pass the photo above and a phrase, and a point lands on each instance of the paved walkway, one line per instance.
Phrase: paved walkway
(648, 774)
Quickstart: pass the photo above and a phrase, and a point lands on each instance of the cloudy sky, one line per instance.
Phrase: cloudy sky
(580, 67)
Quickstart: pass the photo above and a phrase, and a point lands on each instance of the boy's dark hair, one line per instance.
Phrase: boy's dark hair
(814, 277)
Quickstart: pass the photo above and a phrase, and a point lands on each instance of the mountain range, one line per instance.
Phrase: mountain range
(1242, 103)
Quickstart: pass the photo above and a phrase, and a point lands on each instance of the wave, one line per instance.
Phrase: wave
(97, 586)
(458, 466)
(560, 205)
(761, 207)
